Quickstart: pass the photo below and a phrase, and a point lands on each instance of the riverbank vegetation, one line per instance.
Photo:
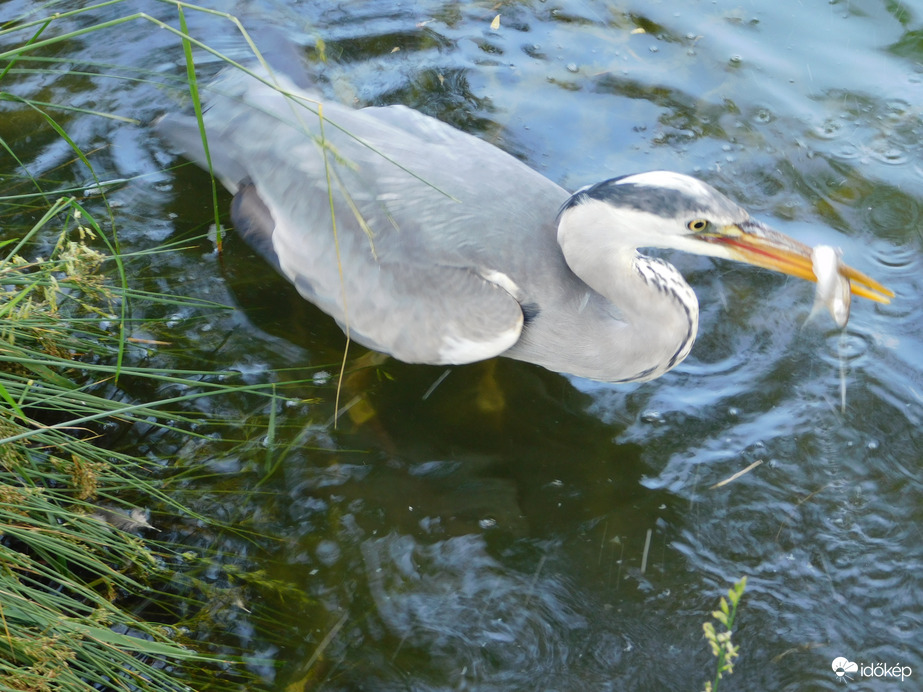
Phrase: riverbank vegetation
(92, 595)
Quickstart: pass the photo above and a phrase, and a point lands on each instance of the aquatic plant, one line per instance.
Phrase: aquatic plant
(90, 596)
(68, 560)
(720, 642)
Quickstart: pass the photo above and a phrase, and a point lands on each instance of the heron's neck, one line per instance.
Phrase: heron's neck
(655, 312)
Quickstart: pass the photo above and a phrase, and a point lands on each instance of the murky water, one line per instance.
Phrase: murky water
(483, 527)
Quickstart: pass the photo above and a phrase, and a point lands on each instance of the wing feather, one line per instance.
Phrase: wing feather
(404, 255)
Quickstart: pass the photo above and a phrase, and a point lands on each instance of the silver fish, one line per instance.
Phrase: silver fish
(833, 289)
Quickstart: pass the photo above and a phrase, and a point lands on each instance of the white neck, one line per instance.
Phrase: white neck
(657, 310)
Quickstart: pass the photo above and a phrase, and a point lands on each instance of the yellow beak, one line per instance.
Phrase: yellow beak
(756, 244)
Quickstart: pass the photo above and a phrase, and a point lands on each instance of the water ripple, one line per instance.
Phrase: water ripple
(900, 257)
(457, 603)
(846, 348)
(887, 151)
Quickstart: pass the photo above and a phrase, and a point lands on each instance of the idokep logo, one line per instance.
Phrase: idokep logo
(842, 666)
(848, 670)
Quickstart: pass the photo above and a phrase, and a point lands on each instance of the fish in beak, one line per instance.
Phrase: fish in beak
(757, 244)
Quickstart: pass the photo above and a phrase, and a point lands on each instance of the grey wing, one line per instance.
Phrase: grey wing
(424, 314)
(371, 271)
(393, 262)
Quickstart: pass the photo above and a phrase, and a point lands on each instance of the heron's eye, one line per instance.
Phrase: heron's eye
(697, 225)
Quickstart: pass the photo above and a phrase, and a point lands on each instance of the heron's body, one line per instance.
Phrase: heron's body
(441, 248)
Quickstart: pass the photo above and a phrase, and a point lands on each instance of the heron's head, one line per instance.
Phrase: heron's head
(662, 209)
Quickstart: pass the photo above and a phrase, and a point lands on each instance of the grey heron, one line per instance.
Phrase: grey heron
(434, 246)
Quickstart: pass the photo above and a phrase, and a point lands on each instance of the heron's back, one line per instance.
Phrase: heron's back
(410, 196)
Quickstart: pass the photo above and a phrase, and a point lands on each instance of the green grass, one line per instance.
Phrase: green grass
(64, 569)
(79, 565)
(90, 596)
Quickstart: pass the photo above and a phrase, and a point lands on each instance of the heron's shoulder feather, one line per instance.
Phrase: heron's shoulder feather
(408, 232)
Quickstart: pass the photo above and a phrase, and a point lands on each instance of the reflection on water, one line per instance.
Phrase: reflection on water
(468, 613)
(486, 529)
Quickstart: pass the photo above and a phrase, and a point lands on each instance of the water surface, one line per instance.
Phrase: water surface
(483, 527)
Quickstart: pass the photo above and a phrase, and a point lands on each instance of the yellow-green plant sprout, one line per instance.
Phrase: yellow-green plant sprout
(721, 645)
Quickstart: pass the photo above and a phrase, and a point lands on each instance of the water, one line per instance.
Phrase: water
(485, 528)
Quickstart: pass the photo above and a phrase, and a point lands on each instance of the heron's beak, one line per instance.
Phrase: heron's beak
(757, 244)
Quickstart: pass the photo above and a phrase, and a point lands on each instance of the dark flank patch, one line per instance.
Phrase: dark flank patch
(662, 201)
(529, 312)
(253, 221)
